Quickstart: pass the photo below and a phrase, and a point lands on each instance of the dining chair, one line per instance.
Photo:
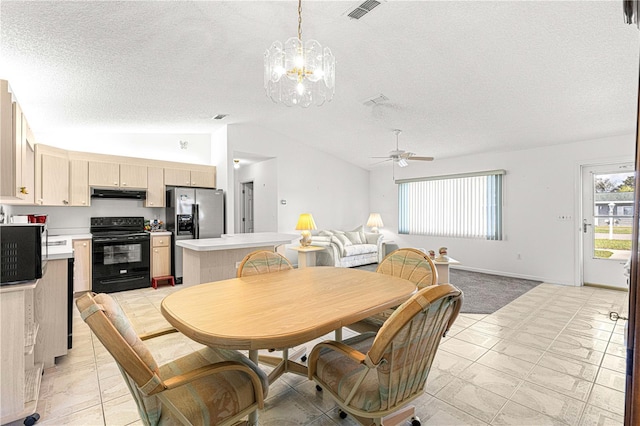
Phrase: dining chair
(408, 263)
(262, 262)
(211, 386)
(372, 376)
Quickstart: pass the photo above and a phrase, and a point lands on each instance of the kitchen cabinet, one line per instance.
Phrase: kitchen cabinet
(51, 303)
(79, 183)
(52, 176)
(177, 177)
(16, 151)
(21, 374)
(183, 177)
(81, 265)
(160, 256)
(155, 187)
(33, 333)
(203, 179)
(114, 175)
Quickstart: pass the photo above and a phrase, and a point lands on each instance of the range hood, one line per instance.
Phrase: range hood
(118, 193)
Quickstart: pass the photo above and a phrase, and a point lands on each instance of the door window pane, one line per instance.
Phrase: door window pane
(613, 215)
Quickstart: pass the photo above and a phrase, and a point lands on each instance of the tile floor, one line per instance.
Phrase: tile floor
(551, 357)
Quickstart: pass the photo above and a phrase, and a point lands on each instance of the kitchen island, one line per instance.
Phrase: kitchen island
(214, 259)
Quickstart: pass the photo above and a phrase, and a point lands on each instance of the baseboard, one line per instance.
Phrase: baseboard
(608, 287)
(511, 275)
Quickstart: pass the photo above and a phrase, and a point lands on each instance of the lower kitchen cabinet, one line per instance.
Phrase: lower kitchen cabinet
(81, 265)
(160, 256)
(33, 333)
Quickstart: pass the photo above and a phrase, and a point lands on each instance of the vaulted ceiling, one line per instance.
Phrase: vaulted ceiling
(460, 77)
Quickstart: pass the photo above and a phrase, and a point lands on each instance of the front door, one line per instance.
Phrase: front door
(607, 218)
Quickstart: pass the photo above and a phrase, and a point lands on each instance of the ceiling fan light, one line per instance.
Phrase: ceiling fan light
(402, 163)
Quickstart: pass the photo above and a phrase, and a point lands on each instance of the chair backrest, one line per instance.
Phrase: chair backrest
(262, 262)
(405, 346)
(140, 370)
(410, 264)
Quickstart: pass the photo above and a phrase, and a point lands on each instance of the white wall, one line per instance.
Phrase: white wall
(334, 191)
(155, 146)
(264, 176)
(76, 220)
(540, 185)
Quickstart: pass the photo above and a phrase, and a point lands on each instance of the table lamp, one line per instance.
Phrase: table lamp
(306, 225)
(375, 222)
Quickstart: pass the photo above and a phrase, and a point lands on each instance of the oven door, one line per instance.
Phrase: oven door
(120, 263)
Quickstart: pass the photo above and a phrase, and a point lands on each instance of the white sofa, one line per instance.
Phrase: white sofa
(347, 248)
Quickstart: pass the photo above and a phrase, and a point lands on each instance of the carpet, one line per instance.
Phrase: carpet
(483, 293)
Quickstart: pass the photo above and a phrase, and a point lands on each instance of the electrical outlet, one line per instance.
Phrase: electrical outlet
(238, 264)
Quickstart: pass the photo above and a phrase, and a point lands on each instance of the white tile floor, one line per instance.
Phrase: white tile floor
(550, 357)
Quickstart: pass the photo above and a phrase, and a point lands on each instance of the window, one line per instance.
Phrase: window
(465, 205)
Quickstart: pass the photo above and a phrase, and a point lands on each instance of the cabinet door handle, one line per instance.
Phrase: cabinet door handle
(151, 203)
(65, 202)
(115, 183)
(84, 244)
(155, 250)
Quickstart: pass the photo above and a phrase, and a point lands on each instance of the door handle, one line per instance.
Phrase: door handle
(584, 225)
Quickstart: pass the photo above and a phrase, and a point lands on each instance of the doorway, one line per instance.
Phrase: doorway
(607, 222)
(246, 208)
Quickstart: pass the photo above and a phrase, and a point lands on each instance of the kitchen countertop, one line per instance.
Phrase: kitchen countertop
(161, 232)
(65, 249)
(233, 241)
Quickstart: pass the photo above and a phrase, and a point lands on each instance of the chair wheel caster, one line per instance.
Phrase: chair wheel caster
(342, 414)
(318, 388)
(32, 419)
(415, 421)
(304, 358)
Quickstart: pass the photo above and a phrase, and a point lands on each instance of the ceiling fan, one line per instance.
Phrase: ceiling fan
(400, 156)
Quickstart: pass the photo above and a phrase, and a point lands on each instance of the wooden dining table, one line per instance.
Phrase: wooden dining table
(281, 310)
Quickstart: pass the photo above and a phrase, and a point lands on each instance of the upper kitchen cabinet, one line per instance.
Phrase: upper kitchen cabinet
(16, 151)
(183, 177)
(52, 176)
(155, 187)
(79, 183)
(114, 175)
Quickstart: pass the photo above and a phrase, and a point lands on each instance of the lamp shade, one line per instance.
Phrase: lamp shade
(375, 221)
(305, 222)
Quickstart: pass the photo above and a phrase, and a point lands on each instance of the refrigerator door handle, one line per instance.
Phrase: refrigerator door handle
(195, 212)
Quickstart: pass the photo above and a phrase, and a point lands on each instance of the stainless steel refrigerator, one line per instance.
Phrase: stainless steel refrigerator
(193, 213)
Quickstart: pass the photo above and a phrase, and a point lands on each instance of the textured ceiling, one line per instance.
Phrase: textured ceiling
(461, 77)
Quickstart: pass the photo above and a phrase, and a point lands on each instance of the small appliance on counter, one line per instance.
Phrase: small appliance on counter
(23, 252)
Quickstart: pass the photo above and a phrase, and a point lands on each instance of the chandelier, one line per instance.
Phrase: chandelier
(299, 73)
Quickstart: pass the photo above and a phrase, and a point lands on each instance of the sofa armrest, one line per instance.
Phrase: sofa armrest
(375, 238)
(330, 256)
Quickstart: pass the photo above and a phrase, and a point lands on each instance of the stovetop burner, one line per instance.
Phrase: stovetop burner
(120, 225)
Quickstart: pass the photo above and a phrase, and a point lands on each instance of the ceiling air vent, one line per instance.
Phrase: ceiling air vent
(375, 100)
(219, 116)
(363, 9)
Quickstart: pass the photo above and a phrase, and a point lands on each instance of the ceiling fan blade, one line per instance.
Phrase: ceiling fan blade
(420, 158)
(380, 162)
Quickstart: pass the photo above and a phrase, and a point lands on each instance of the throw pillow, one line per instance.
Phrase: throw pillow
(354, 237)
(325, 233)
(337, 232)
(343, 239)
(363, 237)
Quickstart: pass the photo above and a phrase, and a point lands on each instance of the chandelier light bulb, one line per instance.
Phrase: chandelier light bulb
(299, 73)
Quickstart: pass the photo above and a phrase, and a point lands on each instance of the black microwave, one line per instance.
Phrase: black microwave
(23, 252)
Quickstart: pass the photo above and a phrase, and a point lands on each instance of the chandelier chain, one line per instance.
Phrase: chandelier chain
(300, 20)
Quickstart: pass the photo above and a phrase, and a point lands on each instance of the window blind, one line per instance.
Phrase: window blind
(465, 205)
